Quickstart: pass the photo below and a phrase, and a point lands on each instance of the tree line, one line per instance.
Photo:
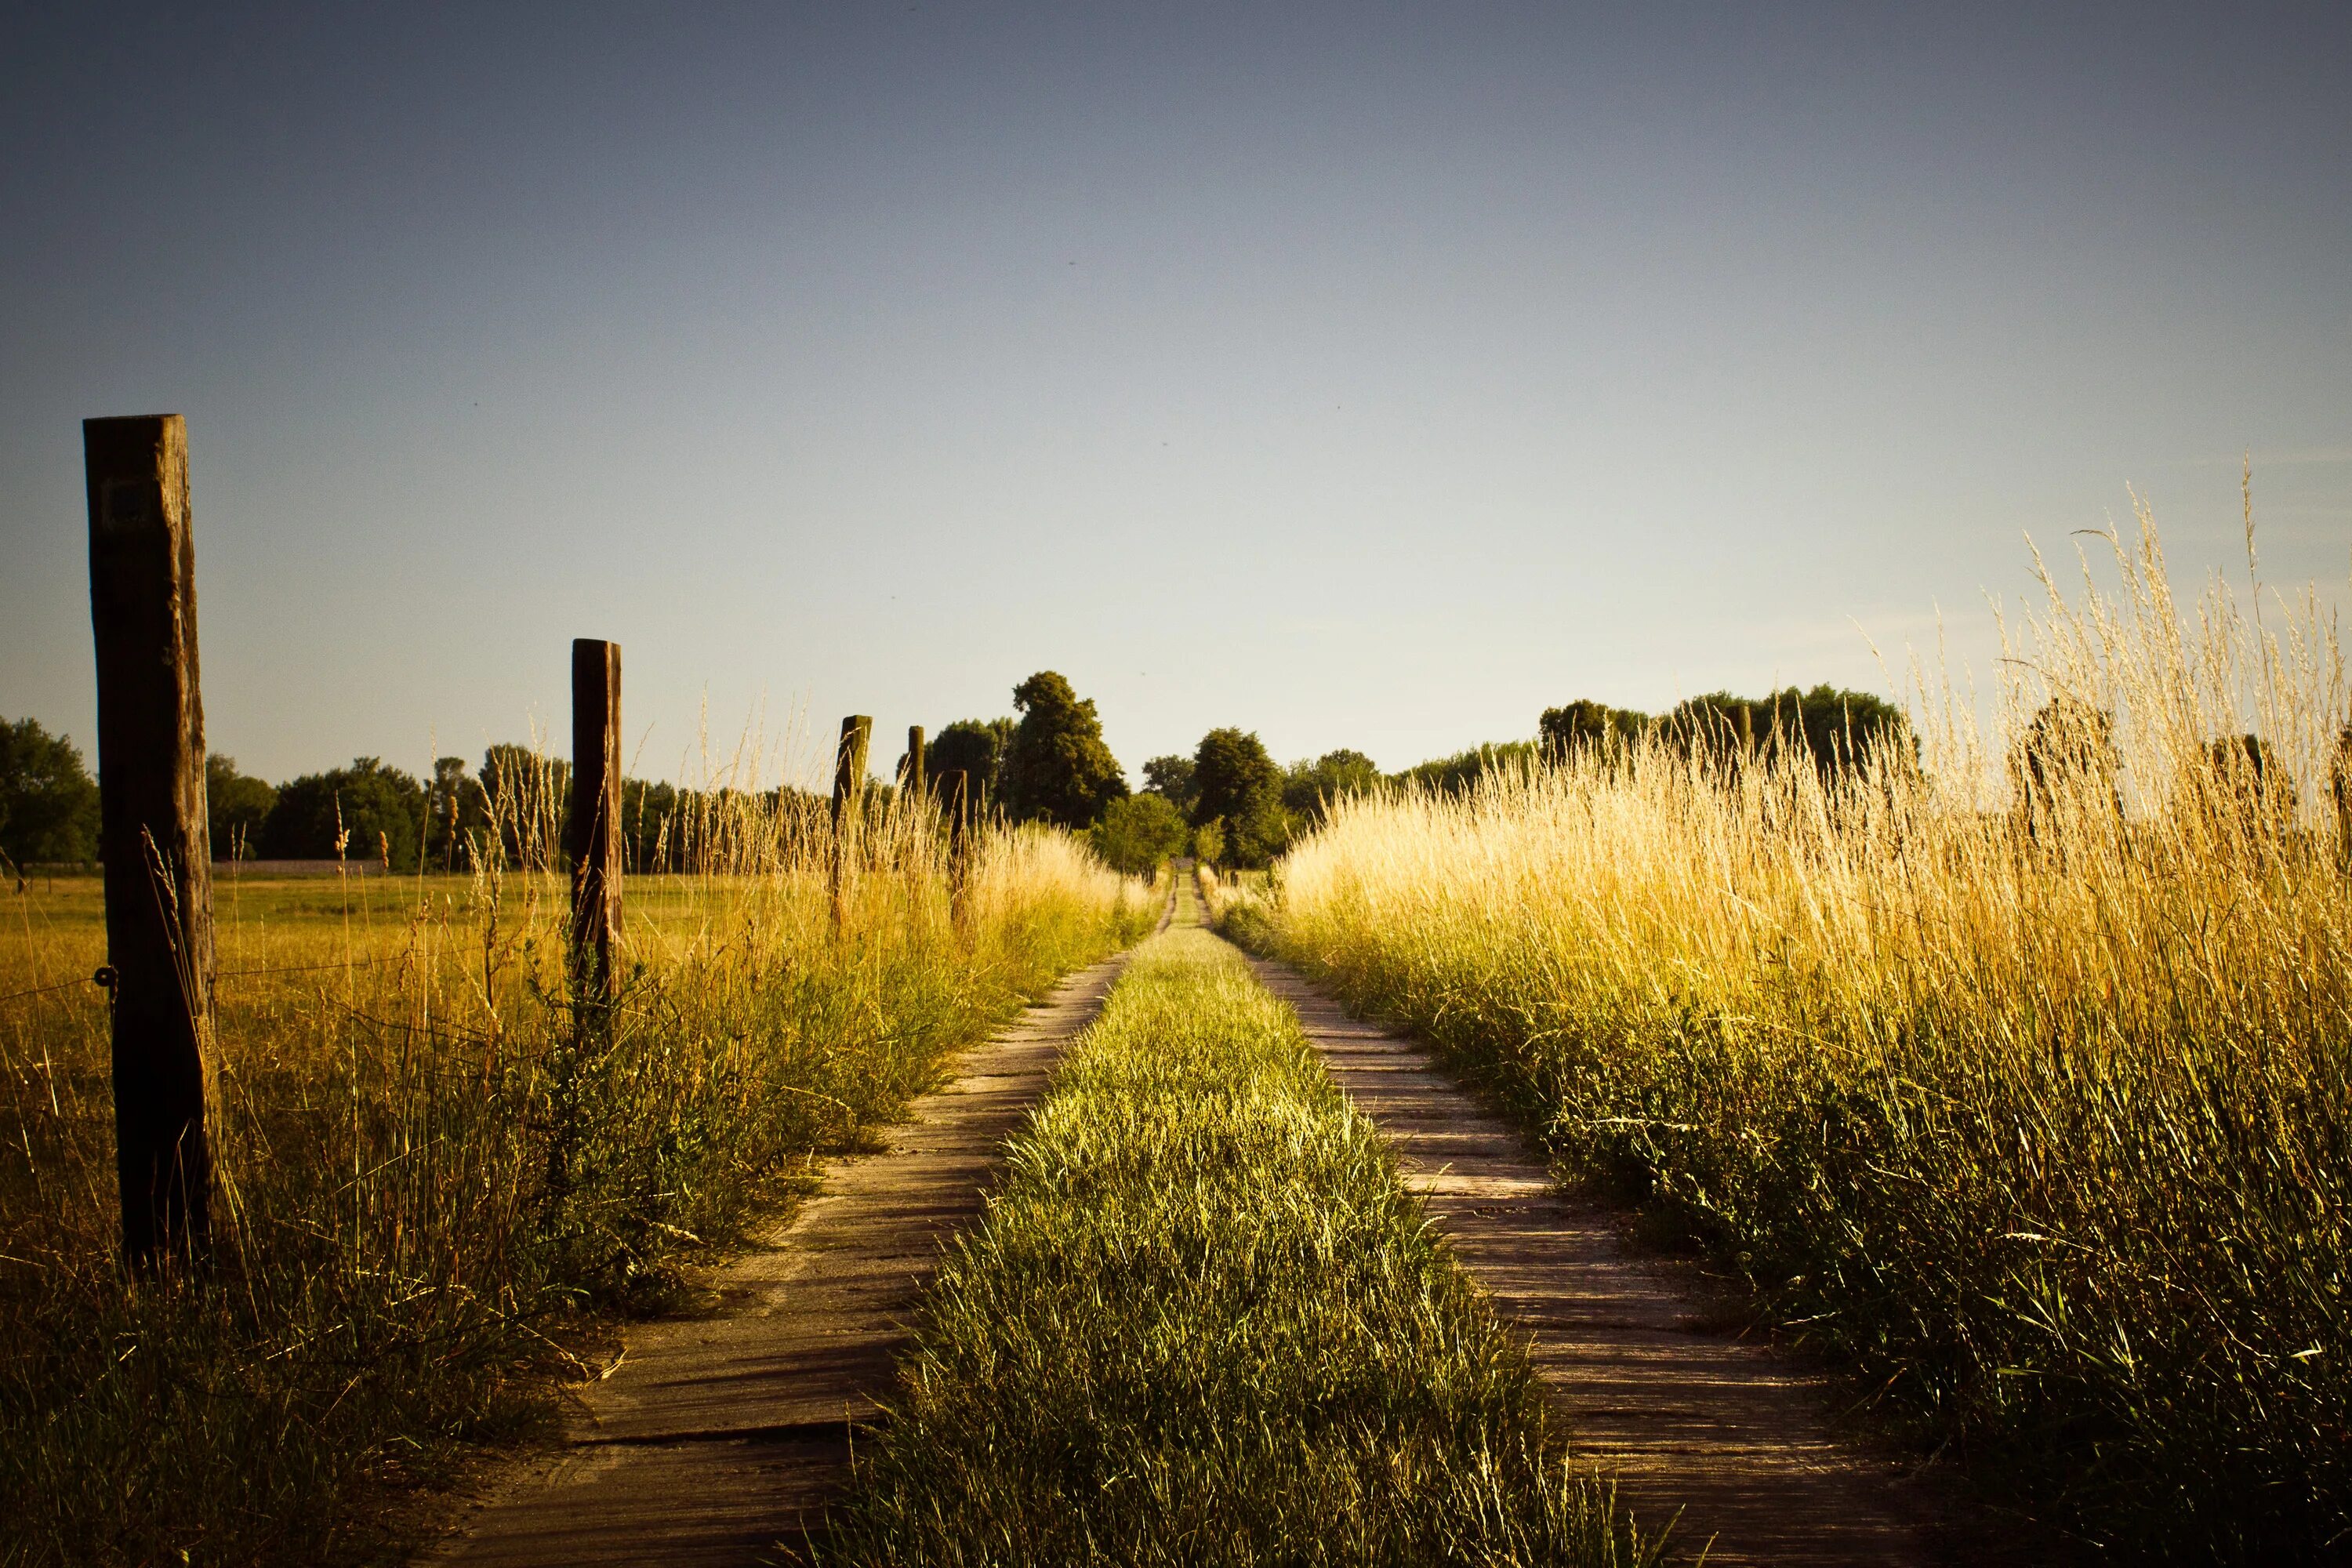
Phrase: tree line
(1228, 802)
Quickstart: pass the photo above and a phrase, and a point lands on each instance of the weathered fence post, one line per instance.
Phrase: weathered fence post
(152, 831)
(911, 778)
(848, 791)
(592, 832)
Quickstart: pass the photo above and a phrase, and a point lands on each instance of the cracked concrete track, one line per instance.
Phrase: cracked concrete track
(718, 1435)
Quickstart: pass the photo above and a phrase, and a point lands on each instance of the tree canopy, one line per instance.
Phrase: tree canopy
(48, 804)
(1138, 832)
(1057, 769)
(379, 809)
(237, 807)
(1454, 775)
(1585, 724)
(1172, 777)
(1308, 788)
(1240, 791)
(1837, 730)
(975, 748)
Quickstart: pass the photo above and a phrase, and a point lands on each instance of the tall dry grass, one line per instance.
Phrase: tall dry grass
(2016, 1079)
(433, 1200)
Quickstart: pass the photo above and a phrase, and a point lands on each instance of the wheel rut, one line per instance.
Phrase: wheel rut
(1689, 1420)
(719, 1435)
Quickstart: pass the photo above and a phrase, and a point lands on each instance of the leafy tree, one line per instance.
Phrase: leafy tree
(379, 810)
(974, 747)
(1208, 842)
(1233, 777)
(651, 829)
(458, 815)
(2069, 751)
(1138, 832)
(1172, 777)
(1241, 787)
(526, 796)
(1585, 725)
(48, 806)
(1057, 769)
(1839, 730)
(1453, 775)
(2262, 793)
(237, 807)
(1308, 788)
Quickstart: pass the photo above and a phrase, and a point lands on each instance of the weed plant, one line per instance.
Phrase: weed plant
(2018, 1080)
(1201, 1323)
(433, 1196)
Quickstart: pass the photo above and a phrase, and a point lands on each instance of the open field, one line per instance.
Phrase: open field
(2027, 1098)
(1202, 1322)
(431, 1202)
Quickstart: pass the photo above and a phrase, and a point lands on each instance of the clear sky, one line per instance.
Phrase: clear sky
(1365, 375)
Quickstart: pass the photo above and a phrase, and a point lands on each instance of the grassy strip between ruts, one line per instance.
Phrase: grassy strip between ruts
(1202, 1322)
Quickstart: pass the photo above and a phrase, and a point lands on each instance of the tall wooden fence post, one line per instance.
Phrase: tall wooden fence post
(592, 831)
(848, 791)
(152, 830)
(912, 780)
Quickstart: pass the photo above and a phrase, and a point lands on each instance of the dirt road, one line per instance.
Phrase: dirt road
(1691, 1420)
(718, 1435)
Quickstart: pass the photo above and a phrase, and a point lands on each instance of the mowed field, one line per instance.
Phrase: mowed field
(431, 1207)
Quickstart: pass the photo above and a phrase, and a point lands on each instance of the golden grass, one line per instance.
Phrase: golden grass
(2036, 1112)
(396, 1274)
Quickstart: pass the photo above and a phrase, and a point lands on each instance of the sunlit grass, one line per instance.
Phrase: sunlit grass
(2036, 1114)
(396, 1277)
(1203, 1324)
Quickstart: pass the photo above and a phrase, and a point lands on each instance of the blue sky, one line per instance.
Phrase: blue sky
(1368, 376)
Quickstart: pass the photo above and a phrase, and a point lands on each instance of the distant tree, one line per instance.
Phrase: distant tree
(378, 810)
(2260, 793)
(236, 806)
(457, 817)
(653, 831)
(975, 748)
(1172, 777)
(526, 796)
(2067, 756)
(1241, 788)
(1233, 777)
(1057, 769)
(1208, 842)
(1138, 832)
(1308, 788)
(48, 806)
(1838, 731)
(1587, 726)
(1456, 774)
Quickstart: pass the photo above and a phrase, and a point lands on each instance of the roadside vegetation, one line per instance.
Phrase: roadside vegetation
(1203, 1324)
(2018, 1077)
(433, 1203)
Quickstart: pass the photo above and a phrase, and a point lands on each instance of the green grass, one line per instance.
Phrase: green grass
(396, 1283)
(1203, 1324)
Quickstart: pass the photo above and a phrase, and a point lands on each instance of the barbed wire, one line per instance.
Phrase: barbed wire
(224, 974)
